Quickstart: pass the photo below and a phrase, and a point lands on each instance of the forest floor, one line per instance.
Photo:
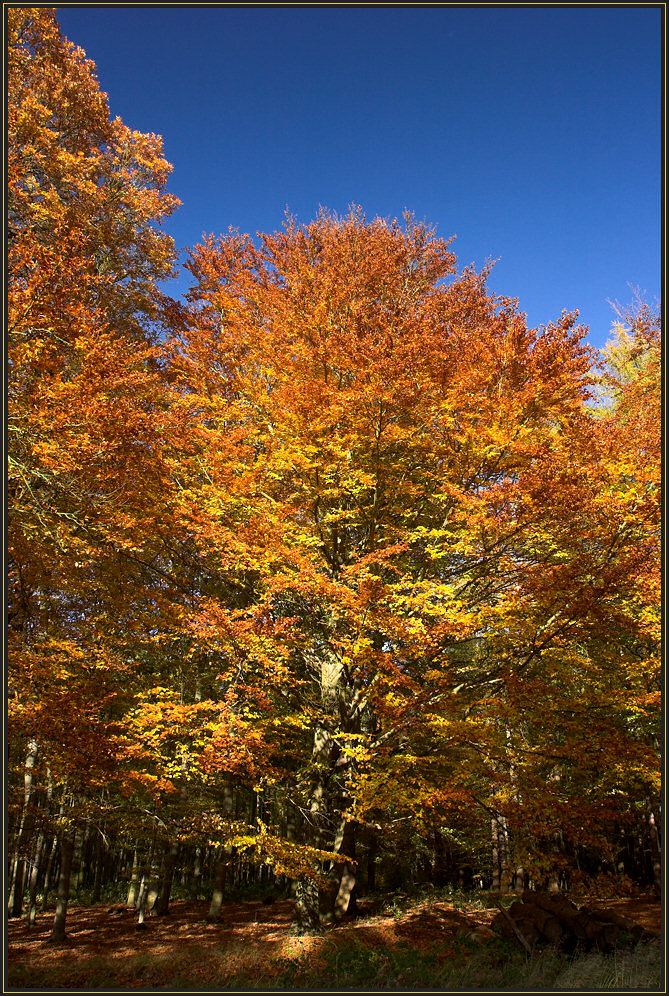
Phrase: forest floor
(408, 944)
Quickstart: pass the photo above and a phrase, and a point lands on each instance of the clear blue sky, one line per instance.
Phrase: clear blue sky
(533, 134)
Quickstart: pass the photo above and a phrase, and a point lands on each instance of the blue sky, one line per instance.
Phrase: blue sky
(533, 134)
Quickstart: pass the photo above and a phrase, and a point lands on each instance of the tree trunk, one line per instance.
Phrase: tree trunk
(76, 875)
(131, 901)
(196, 878)
(37, 875)
(496, 858)
(49, 873)
(345, 899)
(162, 905)
(99, 863)
(66, 852)
(437, 863)
(520, 880)
(655, 847)
(220, 872)
(371, 861)
(320, 809)
(223, 858)
(555, 879)
(147, 893)
(291, 834)
(307, 908)
(310, 908)
(17, 887)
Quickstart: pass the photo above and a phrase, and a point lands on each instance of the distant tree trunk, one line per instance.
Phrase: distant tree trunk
(496, 867)
(131, 901)
(162, 904)
(372, 853)
(54, 851)
(655, 847)
(555, 879)
(141, 902)
(504, 853)
(520, 880)
(220, 871)
(15, 904)
(37, 876)
(99, 864)
(147, 891)
(291, 834)
(500, 852)
(66, 852)
(196, 878)
(17, 886)
(77, 873)
(437, 859)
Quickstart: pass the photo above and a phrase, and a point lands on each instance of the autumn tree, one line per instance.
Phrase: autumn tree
(85, 196)
(392, 483)
(633, 426)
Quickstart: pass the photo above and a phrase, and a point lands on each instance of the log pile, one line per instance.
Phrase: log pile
(546, 918)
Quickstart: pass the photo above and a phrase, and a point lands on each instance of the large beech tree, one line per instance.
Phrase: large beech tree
(416, 510)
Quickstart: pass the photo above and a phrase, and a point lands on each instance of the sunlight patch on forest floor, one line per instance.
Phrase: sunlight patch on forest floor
(253, 943)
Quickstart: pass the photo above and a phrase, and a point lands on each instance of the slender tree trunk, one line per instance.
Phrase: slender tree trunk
(99, 865)
(500, 853)
(558, 848)
(17, 886)
(496, 868)
(224, 856)
(504, 853)
(15, 903)
(371, 862)
(141, 902)
(131, 901)
(162, 905)
(66, 852)
(291, 834)
(220, 872)
(655, 847)
(77, 873)
(147, 891)
(196, 879)
(37, 874)
(437, 876)
(54, 851)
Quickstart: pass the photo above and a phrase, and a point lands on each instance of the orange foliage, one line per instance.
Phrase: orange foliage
(85, 424)
(415, 516)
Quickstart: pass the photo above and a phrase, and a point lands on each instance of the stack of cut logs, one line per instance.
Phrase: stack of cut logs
(547, 918)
